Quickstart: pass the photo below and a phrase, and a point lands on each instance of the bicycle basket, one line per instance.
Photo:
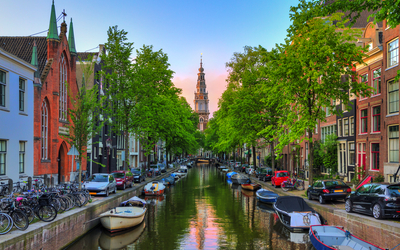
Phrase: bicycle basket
(45, 199)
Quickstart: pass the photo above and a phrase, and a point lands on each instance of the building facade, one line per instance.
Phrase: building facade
(16, 116)
(201, 99)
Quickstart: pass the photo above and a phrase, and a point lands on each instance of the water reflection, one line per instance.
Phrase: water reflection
(201, 211)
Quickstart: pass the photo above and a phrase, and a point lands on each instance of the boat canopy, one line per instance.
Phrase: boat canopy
(292, 203)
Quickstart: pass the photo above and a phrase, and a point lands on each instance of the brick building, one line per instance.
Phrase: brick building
(55, 83)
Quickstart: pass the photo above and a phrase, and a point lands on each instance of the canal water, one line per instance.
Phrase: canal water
(201, 211)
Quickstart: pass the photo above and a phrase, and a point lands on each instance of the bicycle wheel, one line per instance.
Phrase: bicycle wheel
(47, 213)
(56, 204)
(20, 219)
(284, 188)
(299, 185)
(29, 212)
(6, 223)
(83, 199)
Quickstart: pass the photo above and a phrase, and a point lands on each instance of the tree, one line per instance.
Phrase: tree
(85, 108)
(119, 83)
(311, 63)
(329, 154)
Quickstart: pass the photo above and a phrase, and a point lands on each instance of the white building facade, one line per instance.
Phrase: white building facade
(16, 117)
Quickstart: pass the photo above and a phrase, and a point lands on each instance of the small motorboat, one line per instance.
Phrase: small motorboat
(170, 180)
(229, 174)
(251, 186)
(266, 196)
(130, 213)
(240, 179)
(183, 168)
(121, 239)
(330, 237)
(295, 213)
(154, 188)
(181, 173)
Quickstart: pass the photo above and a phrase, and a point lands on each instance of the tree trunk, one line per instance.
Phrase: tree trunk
(254, 157)
(126, 161)
(80, 173)
(311, 164)
(272, 156)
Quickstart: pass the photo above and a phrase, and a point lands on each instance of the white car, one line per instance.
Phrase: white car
(101, 184)
(250, 170)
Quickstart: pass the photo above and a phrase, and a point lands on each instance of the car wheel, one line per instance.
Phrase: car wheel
(377, 211)
(123, 187)
(309, 196)
(107, 193)
(321, 199)
(349, 206)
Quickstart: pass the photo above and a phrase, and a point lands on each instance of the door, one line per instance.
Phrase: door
(361, 158)
(317, 189)
(361, 198)
(61, 160)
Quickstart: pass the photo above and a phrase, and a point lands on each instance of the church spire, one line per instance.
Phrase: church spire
(71, 39)
(52, 33)
(201, 63)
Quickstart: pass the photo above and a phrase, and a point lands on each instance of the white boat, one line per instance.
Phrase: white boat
(181, 172)
(129, 215)
(122, 239)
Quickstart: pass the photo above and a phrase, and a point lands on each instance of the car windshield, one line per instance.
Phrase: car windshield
(153, 166)
(334, 183)
(136, 172)
(99, 178)
(283, 174)
(394, 190)
(118, 175)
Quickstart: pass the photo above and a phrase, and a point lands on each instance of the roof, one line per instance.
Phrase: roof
(22, 46)
(84, 55)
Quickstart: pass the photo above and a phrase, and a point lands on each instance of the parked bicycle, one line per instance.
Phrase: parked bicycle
(293, 183)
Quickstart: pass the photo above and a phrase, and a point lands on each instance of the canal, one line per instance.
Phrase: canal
(201, 211)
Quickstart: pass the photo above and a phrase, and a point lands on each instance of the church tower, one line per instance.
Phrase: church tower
(201, 98)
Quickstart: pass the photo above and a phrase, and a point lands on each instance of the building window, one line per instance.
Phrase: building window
(3, 154)
(3, 88)
(63, 89)
(394, 143)
(377, 81)
(45, 130)
(351, 126)
(21, 157)
(21, 94)
(364, 79)
(352, 152)
(375, 156)
(346, 127)
(393, 88)
(328, 113)
(364, 121)
(393, 53)
(376, 119)
(339, 128)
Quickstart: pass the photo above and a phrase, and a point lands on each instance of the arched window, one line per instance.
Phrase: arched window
(45, 131)
(201, 120)
(63, 88)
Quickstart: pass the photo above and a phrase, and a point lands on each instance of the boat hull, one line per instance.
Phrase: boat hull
(122, 218)
(154, 188)
(266, 196)
(252, 187)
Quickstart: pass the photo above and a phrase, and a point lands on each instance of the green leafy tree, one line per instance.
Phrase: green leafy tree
(328, 153)
(85, 108)
(311, 63)
(119, 84)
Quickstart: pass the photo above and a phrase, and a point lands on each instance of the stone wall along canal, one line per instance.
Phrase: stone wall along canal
(201, 211)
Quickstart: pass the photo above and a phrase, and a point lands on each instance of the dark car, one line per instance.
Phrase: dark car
(328, 190)
(264, 174)
(138, 175)
(378, 200)
(243, 167)
(153, 171)
(124, 178)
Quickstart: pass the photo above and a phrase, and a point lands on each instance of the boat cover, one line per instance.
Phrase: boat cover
(292, 204)
(266, 193)
(132, 201)
(229, 175)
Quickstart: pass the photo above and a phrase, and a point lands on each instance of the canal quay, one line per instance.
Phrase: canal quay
(201, 211)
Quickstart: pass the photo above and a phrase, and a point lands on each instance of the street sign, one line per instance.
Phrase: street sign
(73, 151)
(258, 157)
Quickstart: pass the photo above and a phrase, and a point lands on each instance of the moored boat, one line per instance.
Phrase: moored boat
(154, 188)
(240, 179)
(330, 237)
(229, 174)
(266, 196)
(295, 214)
(251, 186)
(130, 213)
(170, 180)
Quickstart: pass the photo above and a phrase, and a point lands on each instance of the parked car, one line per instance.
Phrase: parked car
(243, 167)
(153, 170)
(378, 200)
(279, 177)
(124, 178)
(238, 164)
(328, 190)
(101, 184)
(264, 174)
(231, 163)
(138, 175)
(249, 169)
(162, 167)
